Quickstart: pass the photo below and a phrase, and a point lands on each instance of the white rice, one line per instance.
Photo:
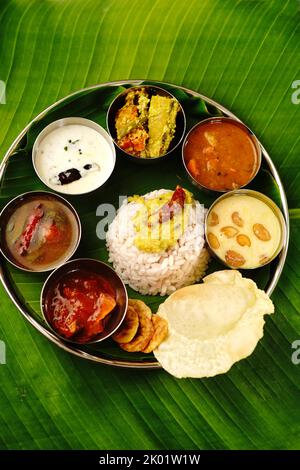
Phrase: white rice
(157, 273)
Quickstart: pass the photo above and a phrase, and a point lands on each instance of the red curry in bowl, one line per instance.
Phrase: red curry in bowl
(79, 303)
(221, 154)
(84, 301)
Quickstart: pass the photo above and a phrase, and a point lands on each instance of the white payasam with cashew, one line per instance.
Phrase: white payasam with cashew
(243, 231)
(212, 325)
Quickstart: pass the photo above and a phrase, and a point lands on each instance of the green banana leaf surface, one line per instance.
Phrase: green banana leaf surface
(245, 55)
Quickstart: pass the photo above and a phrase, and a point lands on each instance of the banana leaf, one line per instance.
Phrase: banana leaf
(244, 54)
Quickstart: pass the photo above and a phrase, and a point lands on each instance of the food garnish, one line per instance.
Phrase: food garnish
(229, 232)
(236, 219)
(176, 203)
(212, 325)
(261, 232)
(73, 174)
(213, 219)
(146, 124)
(234, 259)
(213, 240)
(243, 240)
(23, 242)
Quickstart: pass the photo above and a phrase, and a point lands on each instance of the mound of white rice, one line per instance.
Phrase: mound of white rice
(157, 273)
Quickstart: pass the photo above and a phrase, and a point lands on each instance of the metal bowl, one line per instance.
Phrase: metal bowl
(66, 122)
(113, 320)
(236, 123)
(117, 104)
(262, 197)
(12, 205)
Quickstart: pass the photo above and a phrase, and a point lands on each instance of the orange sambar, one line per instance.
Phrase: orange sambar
(221, 154)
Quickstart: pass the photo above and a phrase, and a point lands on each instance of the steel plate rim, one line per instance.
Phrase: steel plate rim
(116, 362)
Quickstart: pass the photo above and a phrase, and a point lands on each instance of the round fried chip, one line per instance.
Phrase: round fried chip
(160, 333)
(128, 328)
(140, 305)
(145, 329)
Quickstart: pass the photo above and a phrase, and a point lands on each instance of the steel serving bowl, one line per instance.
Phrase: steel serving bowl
(113, 320)
(12, 205)
(117, 104)
(270, 203)
(66, 122)
(236, 123)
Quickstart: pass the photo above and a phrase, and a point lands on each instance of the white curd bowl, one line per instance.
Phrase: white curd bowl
(76, 144)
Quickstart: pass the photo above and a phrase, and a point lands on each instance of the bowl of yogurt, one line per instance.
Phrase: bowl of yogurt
(73, 156)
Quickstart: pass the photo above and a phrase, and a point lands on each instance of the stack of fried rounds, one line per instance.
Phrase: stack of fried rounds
(140, 331)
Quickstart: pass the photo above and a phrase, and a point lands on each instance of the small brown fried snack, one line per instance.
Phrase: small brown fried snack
(160, 333)
(145, 330)
(128, 328)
